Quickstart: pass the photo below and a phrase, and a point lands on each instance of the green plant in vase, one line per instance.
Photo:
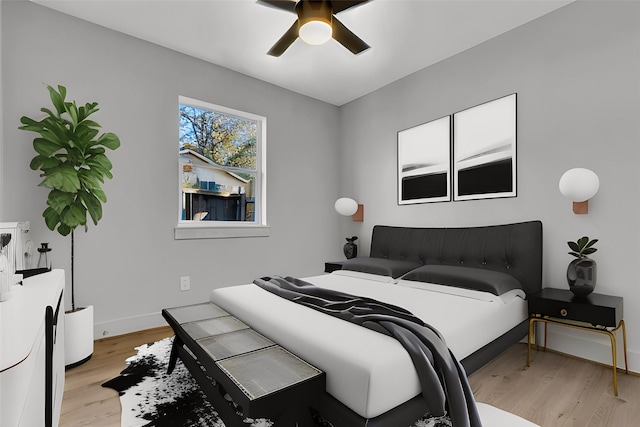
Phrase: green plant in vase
(582, 271)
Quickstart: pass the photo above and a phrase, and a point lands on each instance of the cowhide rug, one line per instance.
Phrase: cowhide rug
(151, 398)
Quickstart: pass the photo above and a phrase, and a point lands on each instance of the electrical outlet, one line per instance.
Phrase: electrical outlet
(185, 283)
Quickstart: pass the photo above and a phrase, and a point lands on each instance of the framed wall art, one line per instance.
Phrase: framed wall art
(484, 150)
(424, 162)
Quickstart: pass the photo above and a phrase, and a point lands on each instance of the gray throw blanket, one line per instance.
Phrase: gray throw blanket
(443, 380)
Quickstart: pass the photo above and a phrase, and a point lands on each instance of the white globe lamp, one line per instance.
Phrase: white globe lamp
(579, 185)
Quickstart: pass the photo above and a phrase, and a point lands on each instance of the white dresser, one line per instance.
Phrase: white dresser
(32, 352)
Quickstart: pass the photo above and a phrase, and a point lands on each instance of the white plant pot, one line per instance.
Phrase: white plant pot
(78, 336)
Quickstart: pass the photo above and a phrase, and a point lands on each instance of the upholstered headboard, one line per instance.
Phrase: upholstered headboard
(514, 249)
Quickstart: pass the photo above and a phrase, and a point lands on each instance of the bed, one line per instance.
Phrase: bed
(469, 283)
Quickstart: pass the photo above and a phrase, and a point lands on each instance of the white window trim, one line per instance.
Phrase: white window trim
(229, 229)
(186, 231)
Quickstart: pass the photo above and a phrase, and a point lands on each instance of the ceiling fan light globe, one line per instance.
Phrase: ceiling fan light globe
(315, 32)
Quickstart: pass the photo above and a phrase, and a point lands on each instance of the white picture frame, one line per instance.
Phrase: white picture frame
(484, 150)
(424, 162)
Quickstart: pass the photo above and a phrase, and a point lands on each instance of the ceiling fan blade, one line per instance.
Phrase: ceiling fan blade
(285, 41)
(288, 5)
(340, 5)
(346, 38)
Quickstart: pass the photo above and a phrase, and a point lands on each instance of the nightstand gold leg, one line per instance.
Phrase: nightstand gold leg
(624, 345)
(614, 353)
(609, 332)
(532, 323)
(615, 362)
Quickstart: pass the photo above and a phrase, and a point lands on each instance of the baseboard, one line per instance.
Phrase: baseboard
(127, 325)
(589, 345)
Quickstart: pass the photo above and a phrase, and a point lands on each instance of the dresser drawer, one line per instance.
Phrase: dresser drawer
(597, 309)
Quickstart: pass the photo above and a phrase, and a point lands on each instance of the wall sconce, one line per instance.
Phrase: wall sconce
(349, 207)
(579, 185)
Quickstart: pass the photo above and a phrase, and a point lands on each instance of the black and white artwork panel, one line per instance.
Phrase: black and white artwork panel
(484, 150)
(424, 162)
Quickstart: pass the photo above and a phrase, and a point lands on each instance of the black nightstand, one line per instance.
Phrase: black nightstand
(595, 312)
(332, 266)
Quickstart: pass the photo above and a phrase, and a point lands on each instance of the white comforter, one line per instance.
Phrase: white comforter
(369, 372)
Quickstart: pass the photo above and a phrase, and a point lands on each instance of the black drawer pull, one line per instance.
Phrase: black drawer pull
(563, 312)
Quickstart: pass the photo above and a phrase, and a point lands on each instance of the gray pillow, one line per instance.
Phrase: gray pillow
(380, 266)
(479, 279)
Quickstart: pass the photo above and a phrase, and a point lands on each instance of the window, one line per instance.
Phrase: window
(221, 155)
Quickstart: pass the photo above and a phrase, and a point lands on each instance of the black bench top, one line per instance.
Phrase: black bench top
(264, 379)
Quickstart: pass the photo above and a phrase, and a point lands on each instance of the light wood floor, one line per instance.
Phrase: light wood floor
(85, 402)
(555, 391)
(558, 390)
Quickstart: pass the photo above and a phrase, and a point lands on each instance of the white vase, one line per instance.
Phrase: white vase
(78, 336)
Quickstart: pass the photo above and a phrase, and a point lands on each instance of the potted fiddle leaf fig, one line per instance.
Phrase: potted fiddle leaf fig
(71, 157)
(582, 271)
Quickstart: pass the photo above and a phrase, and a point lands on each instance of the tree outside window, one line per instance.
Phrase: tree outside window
(220, 156)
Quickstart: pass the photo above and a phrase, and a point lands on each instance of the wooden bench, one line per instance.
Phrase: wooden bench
(226, 357)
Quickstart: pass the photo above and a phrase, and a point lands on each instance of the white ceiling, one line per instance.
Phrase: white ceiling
(405, 36)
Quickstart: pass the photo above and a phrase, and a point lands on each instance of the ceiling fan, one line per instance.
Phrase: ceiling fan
(316, 24)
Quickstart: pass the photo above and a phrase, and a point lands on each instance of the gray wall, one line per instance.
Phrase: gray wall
(1, 120)
(129, 266)
(576, 72)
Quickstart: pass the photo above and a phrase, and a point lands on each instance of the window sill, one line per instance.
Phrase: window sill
(199, 231)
